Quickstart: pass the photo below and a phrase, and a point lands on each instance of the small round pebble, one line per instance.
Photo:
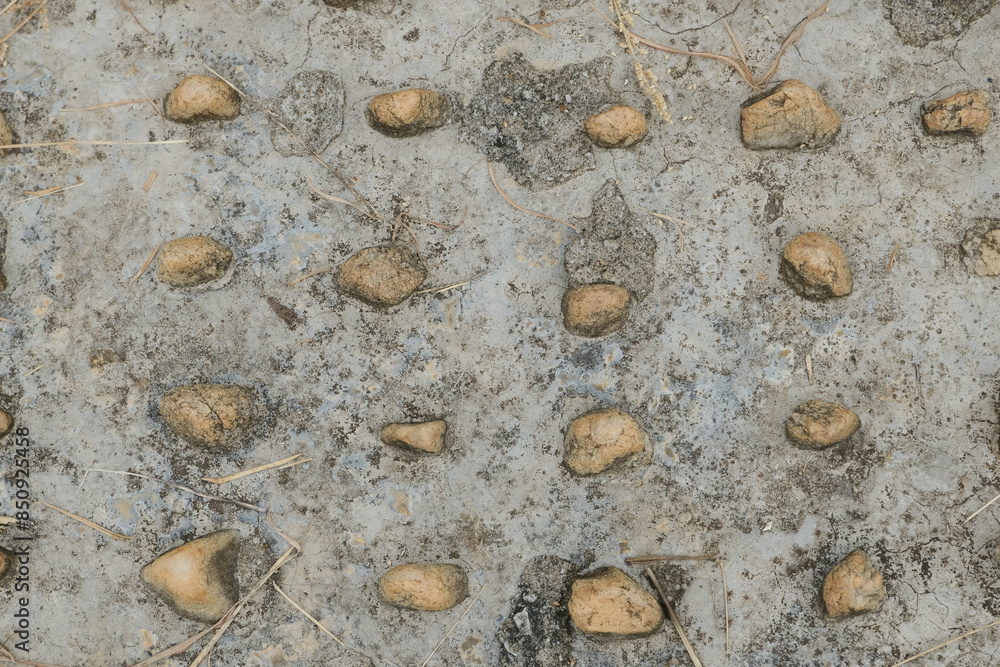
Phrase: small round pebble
(6, 423)
(618, 127)
(814, 265)
(409, 112)
(853, 586)
(193, 260)
(597, 440)
(200, 98)
(424, 586)
(595, 310)
(382, 276)
(607, 604)
(198, 578)
(819, 424)
(211, 415)
(424, 437)
(962, 112)
(788, 116)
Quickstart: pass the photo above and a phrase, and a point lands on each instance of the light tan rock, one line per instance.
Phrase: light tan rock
(212, 415)
(815, 266)
(981, 252)
(427, 437)
(198, 578)
(597, 440)
(595, 310)
(382, 276)
(607, 604)
(962, 112)
(618, 127)
(818, 424)
(853, 586)
(6, 423)
(406, 113)
(6, 136)
(193, 260)
(200, 98)
(788, 116)
(424, 586)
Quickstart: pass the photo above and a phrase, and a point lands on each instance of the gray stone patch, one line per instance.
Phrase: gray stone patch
(312, 105)
(537, 631)
(920, 22)
(981, 248)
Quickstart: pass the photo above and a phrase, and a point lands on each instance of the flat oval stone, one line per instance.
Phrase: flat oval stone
(788, 116)
(814, 265)
(382, 276)
(607, 604)
(817, 424)
(212, 415)
(595, 310)
(409, 112)
(424, 586)
(193, 260)
(962, 112)
(597, 440)
(200, 98)
(853, 586)
(426, 437)
(618, 127)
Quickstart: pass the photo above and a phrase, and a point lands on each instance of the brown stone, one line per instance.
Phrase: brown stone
(199, 98)
(607, 604)
(618, 127)
(193, 260)
(382, 276)
(595, 310)
(853, 586)
(818, 424)
(6, 423)
(788, 116)
(981, 252)
(198, 578)
(212, 415)
(406, 113)
(962, 112)
(427, 437)
(597, 440)
(424, 586)
(814, 265)
(6, 136)
(8, 559)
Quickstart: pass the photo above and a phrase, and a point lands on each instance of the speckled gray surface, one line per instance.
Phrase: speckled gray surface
(710, 362)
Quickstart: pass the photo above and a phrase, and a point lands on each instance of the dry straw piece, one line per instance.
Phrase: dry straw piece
(283, 463)
(521, 208)
(87, 522)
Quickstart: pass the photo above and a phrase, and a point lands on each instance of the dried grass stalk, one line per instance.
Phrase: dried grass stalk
(87, 522)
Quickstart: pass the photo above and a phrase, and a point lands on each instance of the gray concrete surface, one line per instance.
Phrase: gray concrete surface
(710, 362)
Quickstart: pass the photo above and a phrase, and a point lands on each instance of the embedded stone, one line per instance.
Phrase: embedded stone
(198, 578)
(853, 586)
(215, 416)
(7, 562)
(981, 252)
(409, 112)
(427, 437)
(6, 136)
(618, 127)
(597, 440)
(424, 586)
(607, 604)
(200, 98)
(382, 276)
(595, 310)
(962, 112)
(193, 260)
(817, 424)
(788, 116)
(6, 422)
(814, 265)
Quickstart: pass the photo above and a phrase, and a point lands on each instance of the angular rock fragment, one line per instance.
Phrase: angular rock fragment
(7, 562)
(595, 310)
(426, 437)
(814, 265)
(788, 116)
(424, 586)
(6, 423)
(6, 136)
(962, 112)
(538, 630)
(381, 276)
(618, 127)
(215, 416)
(981, 252)
(312, 105)
(409, 112)
(198, 578)
(597, 440)
(819, 424)
(853, 586)
(200, 98)
(607, 604)
(193, 260)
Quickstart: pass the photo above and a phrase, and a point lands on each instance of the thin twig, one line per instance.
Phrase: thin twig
(48, 191)
(809, 367)
(655, 559)
(6, 656)
(309, 275)
(673, 617)
(22, 23)
(534, 27)
(74, 142)
(144, 266)
(307, 614)
(448, 287)
(338, 199)
(149, 181)
(207, 496)
(9, 5)
(950, 641)
(972, 516)
(677, 223)
(251, 471)
(34, 370)
(129, 10)
(87, 522)
(4, 319)
(521, 208)
(424, 663)
(892, 257)
(308, 340)
(725, 597)
(791, 39)
(103, 106)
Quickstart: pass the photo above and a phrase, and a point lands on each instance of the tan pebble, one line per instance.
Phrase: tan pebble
(853, 586)
(814, 265)
(6, 423)
(607, 604)
(788, 116)
(618, 127)
(405, 113)
(212, 415)
(422, 437)
(382, 276)
(193, 260)
(981, 252)
(962, 112)
(818, 424)
(597, 440)
(595, 310)
(6, 136)
(424, 586)
(199, 98)
(198, 578)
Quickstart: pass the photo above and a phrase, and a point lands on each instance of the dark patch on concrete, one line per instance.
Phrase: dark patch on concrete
(538, 631)
(312, 104)
(920, 22)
